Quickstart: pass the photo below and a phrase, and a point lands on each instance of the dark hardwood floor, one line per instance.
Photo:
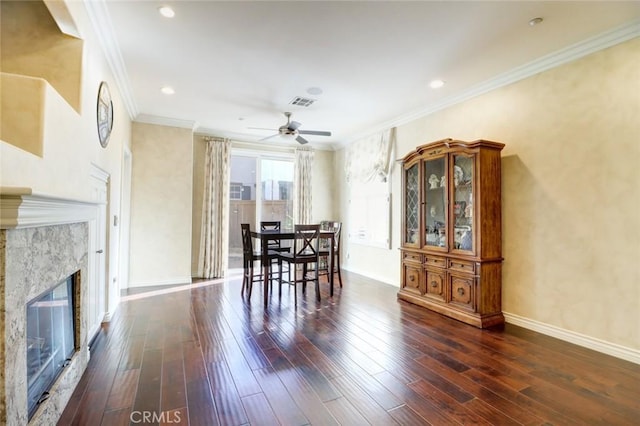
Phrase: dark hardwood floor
(201, 355)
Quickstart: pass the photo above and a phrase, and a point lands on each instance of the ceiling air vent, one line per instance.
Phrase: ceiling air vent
(300, 101)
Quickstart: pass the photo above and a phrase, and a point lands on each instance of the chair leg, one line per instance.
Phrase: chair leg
(317, 280)
(250, 282)
(339, 274)
(280, 279)
(304, 278)
(295, 294)
(244, 277)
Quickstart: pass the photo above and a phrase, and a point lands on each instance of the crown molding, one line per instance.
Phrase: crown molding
(544, 63)
(166, 121)
(101, 23)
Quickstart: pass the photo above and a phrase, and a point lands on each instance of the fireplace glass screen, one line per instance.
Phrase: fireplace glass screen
(50, 339)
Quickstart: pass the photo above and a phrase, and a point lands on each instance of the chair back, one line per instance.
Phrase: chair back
(271, 226)
(306, 240)
(247, 241)
(334, 227)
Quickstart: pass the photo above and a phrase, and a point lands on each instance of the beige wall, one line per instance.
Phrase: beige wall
(161, 204)
(69, 137)
(322, 186)
(571, 191)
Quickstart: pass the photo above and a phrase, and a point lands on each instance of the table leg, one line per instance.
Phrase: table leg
(330, 264)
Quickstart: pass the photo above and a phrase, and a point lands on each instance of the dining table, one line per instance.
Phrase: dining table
(279, 235)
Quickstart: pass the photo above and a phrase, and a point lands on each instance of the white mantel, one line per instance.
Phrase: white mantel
(22, 208)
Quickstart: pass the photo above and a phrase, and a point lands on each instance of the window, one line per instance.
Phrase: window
(261, 189)
(235, 193)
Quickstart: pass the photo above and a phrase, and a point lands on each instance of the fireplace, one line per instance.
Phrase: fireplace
(44, 243)
(50, 339)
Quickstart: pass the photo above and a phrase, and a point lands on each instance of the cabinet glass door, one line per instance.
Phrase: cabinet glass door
(462, 214)
(435, 202)
(412, 205)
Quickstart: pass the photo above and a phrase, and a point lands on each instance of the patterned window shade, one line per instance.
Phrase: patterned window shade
(370, 158)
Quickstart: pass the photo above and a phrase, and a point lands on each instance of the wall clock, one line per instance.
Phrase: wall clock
(104, 114)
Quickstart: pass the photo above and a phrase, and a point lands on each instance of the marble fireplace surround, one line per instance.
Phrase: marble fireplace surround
(42, 241)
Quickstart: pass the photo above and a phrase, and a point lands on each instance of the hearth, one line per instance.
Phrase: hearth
(50, 339)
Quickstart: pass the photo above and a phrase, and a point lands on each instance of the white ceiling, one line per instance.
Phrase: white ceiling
(238, 64)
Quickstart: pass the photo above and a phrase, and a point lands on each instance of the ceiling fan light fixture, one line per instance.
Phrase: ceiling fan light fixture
(289, 136)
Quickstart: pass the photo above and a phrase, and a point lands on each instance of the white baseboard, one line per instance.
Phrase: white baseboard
(368, 275)
(618, 351)
(169, 281)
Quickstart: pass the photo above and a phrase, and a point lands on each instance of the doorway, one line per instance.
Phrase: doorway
(261, 188)
(97, 291)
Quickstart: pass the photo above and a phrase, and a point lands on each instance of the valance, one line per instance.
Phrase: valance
(369, 158)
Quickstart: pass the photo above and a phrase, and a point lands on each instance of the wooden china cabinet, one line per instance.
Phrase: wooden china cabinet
(451, 230)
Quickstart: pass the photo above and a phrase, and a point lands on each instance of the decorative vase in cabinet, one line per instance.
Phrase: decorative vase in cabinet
(451, 230)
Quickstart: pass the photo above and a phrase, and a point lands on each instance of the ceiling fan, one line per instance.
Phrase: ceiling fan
(291, 130)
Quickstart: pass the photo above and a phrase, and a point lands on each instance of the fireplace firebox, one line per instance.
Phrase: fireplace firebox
(50, 339)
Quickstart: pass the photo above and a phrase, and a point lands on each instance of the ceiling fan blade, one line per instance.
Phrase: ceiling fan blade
(269, 137)
(294, 125)
(302, 140)
(315, 132)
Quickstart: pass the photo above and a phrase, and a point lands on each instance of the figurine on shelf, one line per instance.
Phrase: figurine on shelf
(433, 211)
(433, 182)
(468, 211)
(458, 175)
(442, 182)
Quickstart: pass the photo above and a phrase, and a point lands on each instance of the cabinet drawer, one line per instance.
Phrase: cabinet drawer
(412, 257)
(462, 266)
(440, 262)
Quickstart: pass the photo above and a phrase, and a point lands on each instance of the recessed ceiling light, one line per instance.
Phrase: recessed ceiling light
(436, 84)
(167, 12)
(535, 21)
(168, 90)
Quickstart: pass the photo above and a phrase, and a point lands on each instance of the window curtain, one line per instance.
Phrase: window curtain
(302, 186)
(369, 158)
(215, 208)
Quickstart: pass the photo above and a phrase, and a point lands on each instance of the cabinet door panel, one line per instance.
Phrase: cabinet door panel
(411, 278)
(462, 291)
(412, 205)
(463, 202)
(435, 199)
(435, 284)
